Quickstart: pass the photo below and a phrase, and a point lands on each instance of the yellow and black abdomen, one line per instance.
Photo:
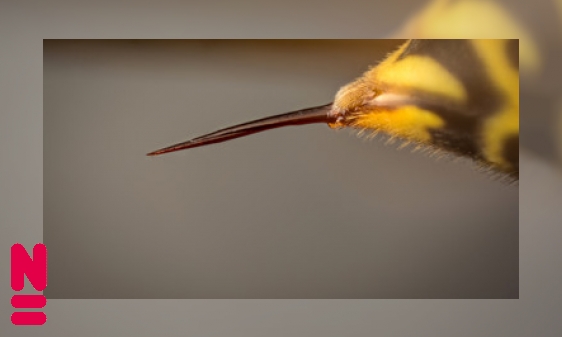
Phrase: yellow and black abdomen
(457, 95)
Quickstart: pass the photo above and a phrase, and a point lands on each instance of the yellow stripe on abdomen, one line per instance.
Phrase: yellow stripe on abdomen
(421, 73)
(409, 122)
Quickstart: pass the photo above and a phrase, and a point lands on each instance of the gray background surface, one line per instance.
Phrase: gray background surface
(23, 28)
(292, 213)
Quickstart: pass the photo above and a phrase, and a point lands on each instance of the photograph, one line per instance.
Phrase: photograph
(404, 185)
(281, 168)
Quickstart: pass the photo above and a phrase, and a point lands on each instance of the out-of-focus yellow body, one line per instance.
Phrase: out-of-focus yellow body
(473, 19)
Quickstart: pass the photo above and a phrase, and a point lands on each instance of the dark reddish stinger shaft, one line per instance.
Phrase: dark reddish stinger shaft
(318, 114)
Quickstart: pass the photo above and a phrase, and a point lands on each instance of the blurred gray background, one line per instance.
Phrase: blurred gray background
(300, 212)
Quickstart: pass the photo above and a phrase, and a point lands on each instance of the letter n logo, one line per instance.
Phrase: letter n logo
(36, 271)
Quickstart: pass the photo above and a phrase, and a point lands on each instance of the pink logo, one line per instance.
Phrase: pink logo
(36, 271)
